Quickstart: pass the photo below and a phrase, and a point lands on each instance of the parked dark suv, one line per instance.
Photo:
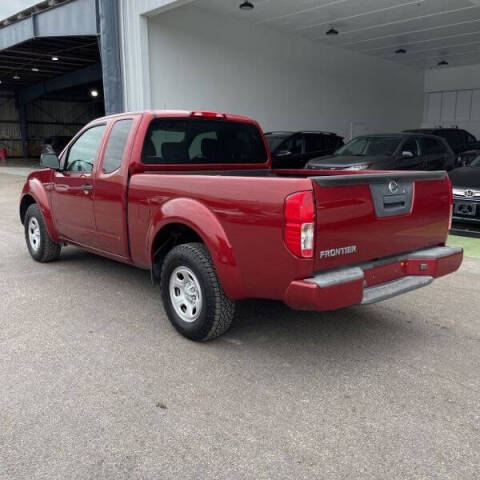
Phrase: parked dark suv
(294, 149)
(390, 151)
(458, 139)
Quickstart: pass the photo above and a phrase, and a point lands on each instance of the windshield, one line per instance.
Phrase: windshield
(476, 162)
(275, 140)
(370, 146)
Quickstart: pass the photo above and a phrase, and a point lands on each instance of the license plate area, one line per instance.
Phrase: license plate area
(465, 208)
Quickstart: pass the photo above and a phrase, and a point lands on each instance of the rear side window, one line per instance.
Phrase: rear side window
(196, 141)
(432, 146)
(295, 145)
(453, 137)
(315, 143)
(470, 138)
(116, 146)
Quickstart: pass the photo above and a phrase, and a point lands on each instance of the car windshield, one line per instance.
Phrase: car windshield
(275, 140)
(476, 162)
(370, 146)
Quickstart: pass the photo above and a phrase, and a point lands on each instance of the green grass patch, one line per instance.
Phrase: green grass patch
(471, 246)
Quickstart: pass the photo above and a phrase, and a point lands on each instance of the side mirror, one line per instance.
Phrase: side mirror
(283, 153)
(49, 160)
(407, 154)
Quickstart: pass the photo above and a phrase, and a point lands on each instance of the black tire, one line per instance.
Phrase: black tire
(217, 310)
(47, 250)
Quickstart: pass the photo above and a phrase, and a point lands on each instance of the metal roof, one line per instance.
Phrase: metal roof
(50, 39)
(38, 7)
(31, 62)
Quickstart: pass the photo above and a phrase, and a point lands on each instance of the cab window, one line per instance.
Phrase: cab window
(82, 154)
(116, 146)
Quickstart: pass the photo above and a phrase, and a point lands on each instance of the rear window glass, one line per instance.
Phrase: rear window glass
(196, 141)
(432, 146)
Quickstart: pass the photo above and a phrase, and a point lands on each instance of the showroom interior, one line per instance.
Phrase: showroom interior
(342, 66)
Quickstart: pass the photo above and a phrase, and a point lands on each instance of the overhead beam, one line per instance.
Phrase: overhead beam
(88, 74)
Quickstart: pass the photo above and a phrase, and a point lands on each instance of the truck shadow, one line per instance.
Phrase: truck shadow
(364, 331)
(272, 326)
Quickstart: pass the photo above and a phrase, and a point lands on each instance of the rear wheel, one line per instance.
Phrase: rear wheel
(193, 297)
(41, 247)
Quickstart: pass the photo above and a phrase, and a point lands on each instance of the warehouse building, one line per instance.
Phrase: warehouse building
(59, 68)
(345, 66)
(351, 67)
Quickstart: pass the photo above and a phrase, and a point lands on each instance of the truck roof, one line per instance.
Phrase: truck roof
(294, 132)
(183, 114)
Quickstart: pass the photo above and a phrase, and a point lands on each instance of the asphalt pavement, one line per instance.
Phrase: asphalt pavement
(96, 384)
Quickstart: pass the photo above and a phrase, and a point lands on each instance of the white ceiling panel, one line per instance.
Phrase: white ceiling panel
(429, 30)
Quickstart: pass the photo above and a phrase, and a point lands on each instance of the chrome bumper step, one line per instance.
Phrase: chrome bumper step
(387, 290)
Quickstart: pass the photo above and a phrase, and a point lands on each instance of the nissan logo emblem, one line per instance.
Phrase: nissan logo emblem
(393, 186)
(469, 193)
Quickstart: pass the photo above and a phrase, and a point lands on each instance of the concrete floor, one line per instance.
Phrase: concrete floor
(95, 383)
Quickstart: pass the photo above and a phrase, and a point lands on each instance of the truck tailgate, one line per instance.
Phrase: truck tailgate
(367, 216)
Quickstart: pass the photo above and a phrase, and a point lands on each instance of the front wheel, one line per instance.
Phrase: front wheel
(41, 247)
(193, 297)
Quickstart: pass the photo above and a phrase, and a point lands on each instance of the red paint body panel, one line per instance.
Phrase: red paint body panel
(241, 219)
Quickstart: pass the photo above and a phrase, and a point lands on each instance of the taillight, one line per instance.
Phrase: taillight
(300, 223)
(208, 114)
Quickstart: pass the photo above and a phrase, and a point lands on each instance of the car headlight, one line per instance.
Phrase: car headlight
(458, 191)
(361, 166)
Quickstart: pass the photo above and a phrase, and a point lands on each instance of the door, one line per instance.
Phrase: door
(72, 194)
(111, 190)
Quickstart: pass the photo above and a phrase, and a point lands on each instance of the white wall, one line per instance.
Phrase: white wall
(202, 61)
(452, 98)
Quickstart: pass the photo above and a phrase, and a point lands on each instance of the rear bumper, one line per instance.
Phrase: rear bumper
(373, 282)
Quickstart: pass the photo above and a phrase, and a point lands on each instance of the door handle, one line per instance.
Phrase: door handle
(87, 187)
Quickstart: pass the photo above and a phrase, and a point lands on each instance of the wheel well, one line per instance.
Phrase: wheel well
(27, 200)
(167, 238)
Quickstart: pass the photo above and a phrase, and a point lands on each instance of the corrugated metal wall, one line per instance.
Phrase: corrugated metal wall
(10, 137)
(50, 117)
(46, 118)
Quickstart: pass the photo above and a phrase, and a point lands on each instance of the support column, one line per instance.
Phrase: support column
(110, 52)
(22, 117)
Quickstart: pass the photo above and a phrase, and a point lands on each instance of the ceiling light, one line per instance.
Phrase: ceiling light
(35, 69)
(246, 6)
(332, 31)
(442, 63)
(93, 92)
(16, 77)
(401, 50)
(54, 59)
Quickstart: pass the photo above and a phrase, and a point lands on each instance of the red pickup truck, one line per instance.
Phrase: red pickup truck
(191, 197)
